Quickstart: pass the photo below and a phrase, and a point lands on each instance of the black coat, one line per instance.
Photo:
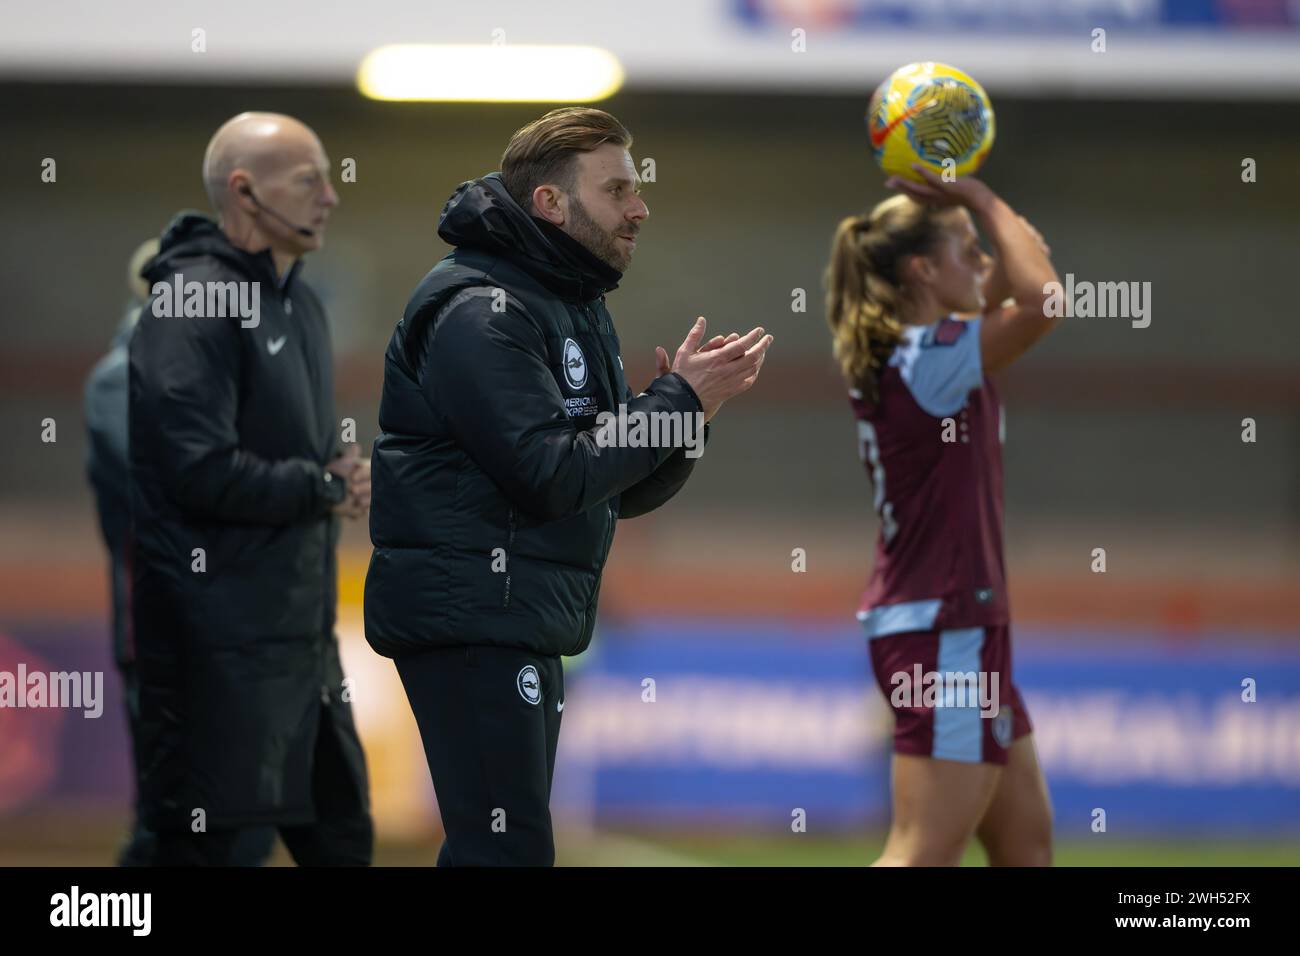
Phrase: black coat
(493, 506)
(230, 427)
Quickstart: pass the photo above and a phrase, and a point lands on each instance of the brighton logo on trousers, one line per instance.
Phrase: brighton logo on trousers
(575, 365)
(530, 685)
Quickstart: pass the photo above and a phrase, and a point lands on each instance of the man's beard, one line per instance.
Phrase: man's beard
(599, 242)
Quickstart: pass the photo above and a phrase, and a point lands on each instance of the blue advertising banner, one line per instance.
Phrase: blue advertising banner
(685, 723)
(693, 723)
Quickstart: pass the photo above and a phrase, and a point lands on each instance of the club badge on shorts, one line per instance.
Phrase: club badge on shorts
(530, 685)
(1002, 725)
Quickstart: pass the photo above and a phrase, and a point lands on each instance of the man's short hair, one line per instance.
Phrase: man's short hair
(545, 151)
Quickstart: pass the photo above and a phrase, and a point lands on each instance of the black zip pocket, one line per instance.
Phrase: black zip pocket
(510, 542)
(613, 523)
(609, 540)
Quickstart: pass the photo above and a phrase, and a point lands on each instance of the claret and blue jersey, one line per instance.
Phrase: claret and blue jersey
(932, 445)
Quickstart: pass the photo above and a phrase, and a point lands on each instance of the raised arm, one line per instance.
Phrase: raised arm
(1022, 270)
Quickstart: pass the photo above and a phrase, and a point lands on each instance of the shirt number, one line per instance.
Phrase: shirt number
(870, 452)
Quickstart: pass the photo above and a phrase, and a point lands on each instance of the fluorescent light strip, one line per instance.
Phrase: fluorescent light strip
(502, 73)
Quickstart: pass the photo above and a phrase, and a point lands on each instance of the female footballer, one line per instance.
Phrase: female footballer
(921, 317)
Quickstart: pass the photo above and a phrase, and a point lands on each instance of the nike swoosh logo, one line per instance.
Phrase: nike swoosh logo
(274, 345)
(878, 137)
(559, 707)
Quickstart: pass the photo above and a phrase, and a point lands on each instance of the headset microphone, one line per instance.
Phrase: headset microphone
(301, 230)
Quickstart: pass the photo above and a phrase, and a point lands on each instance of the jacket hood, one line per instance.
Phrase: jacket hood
(192, 235)
(482, 215)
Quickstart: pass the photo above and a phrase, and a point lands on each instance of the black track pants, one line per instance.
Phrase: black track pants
(490, 721)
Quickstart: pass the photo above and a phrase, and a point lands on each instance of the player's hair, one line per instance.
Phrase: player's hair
(136, 283)
(863, 289)
(546, 150)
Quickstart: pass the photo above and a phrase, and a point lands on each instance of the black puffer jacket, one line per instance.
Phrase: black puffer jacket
(493, 506)
(230, 429)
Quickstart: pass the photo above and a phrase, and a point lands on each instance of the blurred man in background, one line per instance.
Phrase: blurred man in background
(237, 481)
(107, 469)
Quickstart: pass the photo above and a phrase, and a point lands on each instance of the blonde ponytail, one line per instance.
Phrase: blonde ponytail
(863, 290)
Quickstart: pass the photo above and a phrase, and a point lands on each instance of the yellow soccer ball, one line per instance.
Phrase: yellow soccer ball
(928, 113)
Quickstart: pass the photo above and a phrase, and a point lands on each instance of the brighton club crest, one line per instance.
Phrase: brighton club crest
(575, 365)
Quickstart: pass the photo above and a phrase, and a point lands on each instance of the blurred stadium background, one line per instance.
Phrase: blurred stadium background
(1128, 161)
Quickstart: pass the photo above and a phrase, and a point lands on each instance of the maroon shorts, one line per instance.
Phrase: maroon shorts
(951, 692)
